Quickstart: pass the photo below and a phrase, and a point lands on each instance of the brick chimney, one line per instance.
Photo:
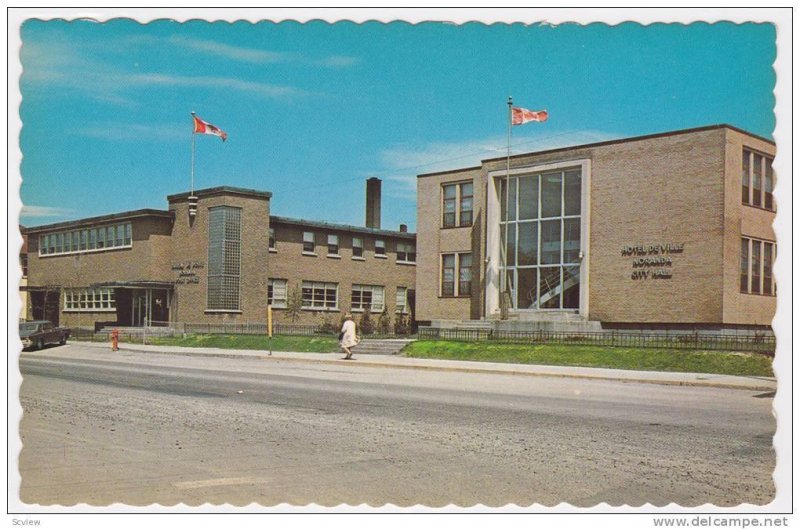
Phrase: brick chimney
(403, 228)
(374, 202)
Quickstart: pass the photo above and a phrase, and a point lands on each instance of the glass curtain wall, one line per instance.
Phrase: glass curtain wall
(540, 234)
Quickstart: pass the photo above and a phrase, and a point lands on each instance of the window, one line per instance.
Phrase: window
(272, 238)
(406, 252)
(89, 299)
(464, 274)
(540, 231)
(380, 248)
(23, 263)
(448, 274)
(276, 293)
(757, 180)
(401, 301)
(224, 257)
(358, 247)
(91, 239)
(318, 295)
(755, 267)
(308, 242)
(367, 297)
(333, 245)
(457, 205)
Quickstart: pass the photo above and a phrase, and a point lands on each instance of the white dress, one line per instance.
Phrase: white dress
(349, 329)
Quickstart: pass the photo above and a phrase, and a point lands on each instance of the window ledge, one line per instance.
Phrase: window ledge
(321, 309)
(407, 263)
(273, 250)
(334, 256)
(310, 254)
(356, 258)
(379, 256)
(89, 310)
(222, 311)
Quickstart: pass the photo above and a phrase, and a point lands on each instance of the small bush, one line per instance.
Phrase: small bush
(365, 323)
(384, 322)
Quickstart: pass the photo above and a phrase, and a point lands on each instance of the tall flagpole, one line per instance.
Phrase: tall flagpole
(193, 135)
(504, 291)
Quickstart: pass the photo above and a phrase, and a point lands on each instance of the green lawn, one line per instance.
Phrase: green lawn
(301, 344)
(727, 363)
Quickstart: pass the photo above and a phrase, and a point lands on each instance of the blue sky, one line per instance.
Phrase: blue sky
(312, 110)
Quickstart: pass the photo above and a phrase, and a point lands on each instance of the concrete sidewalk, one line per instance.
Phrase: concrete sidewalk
(400, 362)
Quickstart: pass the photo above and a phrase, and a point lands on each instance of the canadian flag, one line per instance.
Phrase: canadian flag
(520, 116)
(203, 127)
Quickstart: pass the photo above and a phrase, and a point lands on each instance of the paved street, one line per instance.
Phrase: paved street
(141, 428)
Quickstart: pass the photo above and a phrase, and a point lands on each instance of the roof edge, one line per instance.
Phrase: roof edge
(160, 213)
(344, 227)
(220, 190)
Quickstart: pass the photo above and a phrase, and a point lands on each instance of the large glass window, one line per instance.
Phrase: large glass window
(755, 267)
(450, 263)
(448, 275)
(224, 257)
(464, 274)
(542, 239)
(89, 299)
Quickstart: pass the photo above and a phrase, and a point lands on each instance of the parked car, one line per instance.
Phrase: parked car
(37, 334)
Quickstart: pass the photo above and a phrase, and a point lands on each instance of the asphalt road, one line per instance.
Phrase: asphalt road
(139, 429)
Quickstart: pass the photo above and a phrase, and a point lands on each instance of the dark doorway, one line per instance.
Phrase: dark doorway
(45, 305)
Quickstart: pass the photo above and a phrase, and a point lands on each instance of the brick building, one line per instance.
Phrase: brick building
(216, 255)
(669, 230)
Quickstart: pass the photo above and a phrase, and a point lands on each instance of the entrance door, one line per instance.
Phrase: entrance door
(139, 312)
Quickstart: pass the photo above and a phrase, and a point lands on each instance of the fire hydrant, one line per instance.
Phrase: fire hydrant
(115, 340)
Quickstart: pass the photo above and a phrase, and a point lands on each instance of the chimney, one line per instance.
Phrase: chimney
(403, 228)
(373, 202)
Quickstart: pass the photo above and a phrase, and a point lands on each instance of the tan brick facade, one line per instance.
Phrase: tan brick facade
(666, 205)
(170, 254)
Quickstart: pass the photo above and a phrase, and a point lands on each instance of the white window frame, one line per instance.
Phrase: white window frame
(407, 249)
(309, 237)
(325, 287)
(377, 297)
(360, 246)
(280, 290)
(95, 300)
(333, 240)
(380, 243)
(63, 242)
(401, 300)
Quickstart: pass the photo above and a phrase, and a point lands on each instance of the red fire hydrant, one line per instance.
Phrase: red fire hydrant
(115, 340)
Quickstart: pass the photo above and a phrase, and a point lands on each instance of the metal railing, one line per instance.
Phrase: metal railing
(758, 343)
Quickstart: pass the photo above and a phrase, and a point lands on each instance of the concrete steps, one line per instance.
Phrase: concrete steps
(380, 347)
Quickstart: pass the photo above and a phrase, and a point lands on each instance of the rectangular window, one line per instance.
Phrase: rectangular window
(767, 290)
(406, 252)
(448, 275)
(92, 239)
(101, 237)
(367, 297)
(224, 257)
(128, 234)
(333, 245)
(358, 247)
(768, 183)
(465, 205)
(450, 194)
(464, 274)
(23, 263)
(318, 295)
(757, 180)
(272, 238)
(457, 202)
(60, 243)
(744, 267)
(111, 235)
(276, 293)
(89, 299)
(380, 247)
(308, 242)
(401, 301)
(84, 239)
(755, 261)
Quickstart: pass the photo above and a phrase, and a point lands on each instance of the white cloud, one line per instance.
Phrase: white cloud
(264, 89)
(234, 53)
(132, 132)
(404, 162)
(44, 211)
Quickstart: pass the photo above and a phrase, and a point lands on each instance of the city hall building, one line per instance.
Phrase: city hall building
(665, 231)
(217, 255)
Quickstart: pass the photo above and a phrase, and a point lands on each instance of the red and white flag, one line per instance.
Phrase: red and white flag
(520, 116)
(203, 127)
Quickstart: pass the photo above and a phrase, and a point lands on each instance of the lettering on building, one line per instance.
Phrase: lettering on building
(187, 272)
(652, 261)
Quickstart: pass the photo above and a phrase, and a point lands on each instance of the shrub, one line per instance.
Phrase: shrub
(365, 323)
(384, 322)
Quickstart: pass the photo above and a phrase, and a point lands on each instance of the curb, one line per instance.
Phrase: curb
(463, 369)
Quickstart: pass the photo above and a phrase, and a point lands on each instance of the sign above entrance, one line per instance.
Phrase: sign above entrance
(187, 272)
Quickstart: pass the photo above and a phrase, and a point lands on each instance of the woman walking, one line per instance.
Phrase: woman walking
(348, 338)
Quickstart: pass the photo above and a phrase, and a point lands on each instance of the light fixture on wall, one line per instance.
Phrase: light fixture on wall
(192, 207)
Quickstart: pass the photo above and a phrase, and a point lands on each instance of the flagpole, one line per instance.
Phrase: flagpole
(192, 187)
(504, 250)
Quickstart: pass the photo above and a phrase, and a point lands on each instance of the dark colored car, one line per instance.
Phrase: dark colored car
(37, 334)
